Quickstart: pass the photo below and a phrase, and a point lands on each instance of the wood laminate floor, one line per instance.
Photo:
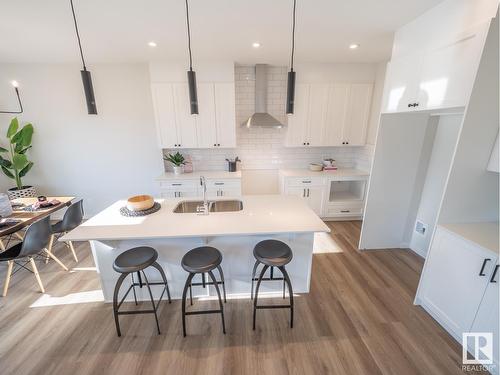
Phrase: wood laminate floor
(359, 318)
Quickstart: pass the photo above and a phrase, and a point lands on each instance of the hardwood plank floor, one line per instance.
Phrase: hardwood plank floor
(358, 318)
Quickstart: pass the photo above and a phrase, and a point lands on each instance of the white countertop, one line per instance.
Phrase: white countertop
(339, 173)
(484, 234)
(261, 214)
(197, 174)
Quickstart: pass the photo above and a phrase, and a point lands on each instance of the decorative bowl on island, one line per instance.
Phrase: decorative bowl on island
(140, 202)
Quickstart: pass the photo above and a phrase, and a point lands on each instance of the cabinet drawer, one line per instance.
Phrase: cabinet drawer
(180, 193)
(179, 184)
(224, 184)
(305, 181)
(346, 209)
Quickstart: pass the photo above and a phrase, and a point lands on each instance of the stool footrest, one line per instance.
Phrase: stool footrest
(203, 312)
(131, 312)
(207, 283)
(269, 279)
(273, 307)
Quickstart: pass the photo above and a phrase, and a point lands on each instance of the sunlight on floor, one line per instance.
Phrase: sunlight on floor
(324, 243)
(76, 269)
(69, 299)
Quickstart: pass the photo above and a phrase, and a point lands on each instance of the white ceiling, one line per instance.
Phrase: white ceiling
(118, 30)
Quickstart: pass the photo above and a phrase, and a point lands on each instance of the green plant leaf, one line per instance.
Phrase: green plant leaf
(26, 169)
(5, 163)
(26, 135)
(19, 161)
(7, 172)
(3, 149)
(14, 125)
(22, 150)
(17, 137)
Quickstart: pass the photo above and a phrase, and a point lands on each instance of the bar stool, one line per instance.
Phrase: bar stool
(202, 260)
(272, 253)
(137, 260)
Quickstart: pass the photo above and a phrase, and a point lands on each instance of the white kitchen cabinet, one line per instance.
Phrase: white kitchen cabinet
(213, 127)
(358, 113)
(225, 115)
(296, 133)
(166, 125)
(329, 115)
(186, 122)
(313, 195)
(437, 78)
(190, 187)
(487, 317)
(223, 188)
(456, 275)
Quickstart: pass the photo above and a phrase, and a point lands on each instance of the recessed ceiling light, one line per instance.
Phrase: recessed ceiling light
(255, 44)
(15, 84)
(353, 46)
(152, 44)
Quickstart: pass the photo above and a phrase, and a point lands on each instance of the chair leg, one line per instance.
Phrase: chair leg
(253, 277)
(19, 237)
(186, 286)
(152, 302)
(56, 259)
(115, 302)
(51, 243)
(35, 271)
(70, 243)
(10, 265)
(290, 292)
(221, 306)
(2, 246)
(223, 282)
(264, 269)
(162, 273)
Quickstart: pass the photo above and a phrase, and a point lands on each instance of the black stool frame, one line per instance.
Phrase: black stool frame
(189, 284)
(285, 278)
(116, 304)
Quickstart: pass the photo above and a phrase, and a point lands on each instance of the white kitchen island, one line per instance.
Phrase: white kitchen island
(235, 234)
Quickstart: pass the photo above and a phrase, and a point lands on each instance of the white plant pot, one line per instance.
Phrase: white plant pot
(25, 192)
(178, 169)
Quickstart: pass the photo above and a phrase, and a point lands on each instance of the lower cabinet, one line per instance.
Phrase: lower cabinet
(313, 195)
(191, 188)
(459, 285)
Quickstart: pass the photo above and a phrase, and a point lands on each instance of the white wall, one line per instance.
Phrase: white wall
(100, 158)
(445, 140)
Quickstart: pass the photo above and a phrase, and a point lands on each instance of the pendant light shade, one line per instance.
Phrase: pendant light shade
(88, 88)
(290, 88)
(193, 92)
(16, 89)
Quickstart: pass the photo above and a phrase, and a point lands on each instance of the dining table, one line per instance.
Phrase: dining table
(23, 214)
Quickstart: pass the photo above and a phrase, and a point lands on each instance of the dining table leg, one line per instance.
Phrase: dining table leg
(70, 243)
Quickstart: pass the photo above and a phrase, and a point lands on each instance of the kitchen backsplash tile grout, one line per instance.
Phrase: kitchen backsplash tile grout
(261, 148)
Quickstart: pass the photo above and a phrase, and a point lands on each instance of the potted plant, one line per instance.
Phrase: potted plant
(13, 159)
(177, 161)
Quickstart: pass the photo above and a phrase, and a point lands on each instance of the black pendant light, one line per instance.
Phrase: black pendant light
(16, 89)
(290, 88)
(86, 77)
(193, 94)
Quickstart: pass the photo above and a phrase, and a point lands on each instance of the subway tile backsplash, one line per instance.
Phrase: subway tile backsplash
(262, 148)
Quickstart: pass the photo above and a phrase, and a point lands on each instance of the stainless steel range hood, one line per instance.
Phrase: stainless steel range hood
(261, 118)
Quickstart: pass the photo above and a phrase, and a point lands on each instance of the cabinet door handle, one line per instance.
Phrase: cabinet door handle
(218, 183)
(179, 194)
(481, 273)
(492, 280)
(306, 181)
(308, 192)
(303, 193)
(176, 184)
(222, 193)
(345, 211)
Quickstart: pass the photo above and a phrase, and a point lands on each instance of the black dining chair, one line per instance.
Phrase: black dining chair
(34, 243)
(72, 218)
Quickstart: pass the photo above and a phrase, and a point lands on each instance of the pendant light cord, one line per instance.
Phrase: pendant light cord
(77, 34)
(293, 34)
(189, 37)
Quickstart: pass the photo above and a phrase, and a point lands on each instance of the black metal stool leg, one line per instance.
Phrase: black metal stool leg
(210, 273)
(191, 294)
(152, 301)
(186, 286)
(164, 277)
(223, 282)
(115, 302)
(290, 292)
(264, 269)
(253, 276)
(203, 280)
(133, 288)
(140, 279)
(284, 287)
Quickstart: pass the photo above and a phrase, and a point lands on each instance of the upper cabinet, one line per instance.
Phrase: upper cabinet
(213, 127)
(329, 115)
(437, 78)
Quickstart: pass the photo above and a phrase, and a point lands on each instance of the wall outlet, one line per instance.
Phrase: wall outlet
(420, 228)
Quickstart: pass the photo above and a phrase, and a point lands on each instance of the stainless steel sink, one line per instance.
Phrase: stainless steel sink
(185, 207)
